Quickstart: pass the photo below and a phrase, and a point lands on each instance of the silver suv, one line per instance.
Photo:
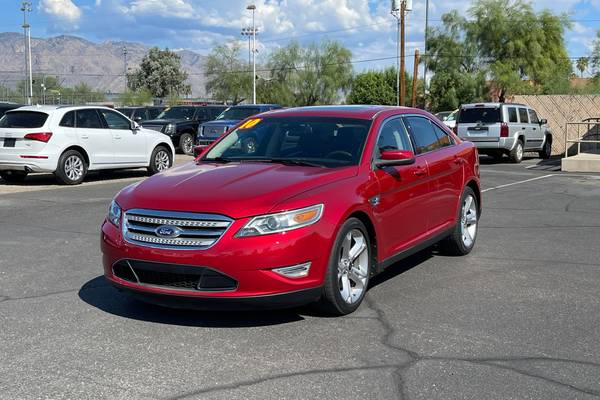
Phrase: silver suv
(504, 128)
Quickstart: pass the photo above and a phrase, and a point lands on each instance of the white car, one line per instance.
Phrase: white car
(70, 141)
(450, 120)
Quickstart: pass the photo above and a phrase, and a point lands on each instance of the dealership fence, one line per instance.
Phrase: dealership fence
(561, 110)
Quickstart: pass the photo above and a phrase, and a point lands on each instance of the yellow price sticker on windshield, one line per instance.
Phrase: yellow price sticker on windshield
(250, 123)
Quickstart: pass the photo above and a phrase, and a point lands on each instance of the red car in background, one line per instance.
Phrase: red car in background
(328, 197)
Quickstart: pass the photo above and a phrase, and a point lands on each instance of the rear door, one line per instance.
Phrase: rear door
(480, 123)
(536, 138)
(129, 144)
(525, 126)
(97, 141)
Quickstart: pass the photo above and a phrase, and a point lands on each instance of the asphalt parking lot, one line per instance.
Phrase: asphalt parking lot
(518, 318)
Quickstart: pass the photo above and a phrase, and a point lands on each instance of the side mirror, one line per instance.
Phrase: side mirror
(135, 126)
(543, 121)
(138, 119)
(392, 158)
(200, 150)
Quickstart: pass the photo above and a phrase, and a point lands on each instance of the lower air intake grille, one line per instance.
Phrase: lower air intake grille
(181, 277)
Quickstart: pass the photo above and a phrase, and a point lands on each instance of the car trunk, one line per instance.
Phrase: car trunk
(479, 122)
(16, 125)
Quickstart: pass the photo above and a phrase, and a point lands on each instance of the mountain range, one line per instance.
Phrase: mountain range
(74, 60)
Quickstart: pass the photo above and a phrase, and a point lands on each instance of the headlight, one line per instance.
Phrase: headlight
(170, 129)
(114, 213)
(281, 222)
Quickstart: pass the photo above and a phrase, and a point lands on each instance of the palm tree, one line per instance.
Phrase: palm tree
(582, 64)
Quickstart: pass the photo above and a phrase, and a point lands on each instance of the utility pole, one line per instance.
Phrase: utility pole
(399, 9)
(248, 32)
(415, 79)
(426, 55)
(26, 8)
(252, 8)
(125, 68)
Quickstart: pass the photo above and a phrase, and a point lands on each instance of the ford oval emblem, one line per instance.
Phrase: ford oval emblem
(167, 231)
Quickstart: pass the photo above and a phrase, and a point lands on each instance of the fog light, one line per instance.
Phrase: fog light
(295, 271)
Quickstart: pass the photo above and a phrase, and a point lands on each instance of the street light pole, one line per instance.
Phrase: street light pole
(426, 55)
(26, 8)
(252, 7)
(125, 68)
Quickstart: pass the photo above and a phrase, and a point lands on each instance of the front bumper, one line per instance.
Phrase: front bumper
(249, 261)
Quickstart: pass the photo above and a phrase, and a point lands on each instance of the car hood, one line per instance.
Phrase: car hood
(222, 122)
(236, 190)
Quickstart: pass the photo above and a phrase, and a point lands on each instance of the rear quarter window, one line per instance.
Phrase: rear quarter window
(484, 115)
(23, 119)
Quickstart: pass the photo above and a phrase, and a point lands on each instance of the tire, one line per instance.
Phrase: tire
(516, 155)
(546, 151)
(13, 176)
(463, 237)
(339, 296)
(186, 144)
(160, 160)
(71, 169)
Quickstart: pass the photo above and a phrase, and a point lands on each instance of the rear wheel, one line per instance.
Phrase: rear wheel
(186, 143)
(72, 168)
(13, 176)
(462, 239)
(516, 154)
(546, 151)
(160, 160)
(347, 275)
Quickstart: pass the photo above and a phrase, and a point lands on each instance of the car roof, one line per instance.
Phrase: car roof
(473, 105)
(50, 109)
(343, 111)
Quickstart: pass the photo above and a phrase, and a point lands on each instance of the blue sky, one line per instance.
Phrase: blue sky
(364, 26)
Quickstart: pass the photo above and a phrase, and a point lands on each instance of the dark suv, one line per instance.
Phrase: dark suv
(181, 123)
(140, 114)
(4, 107)
(211, 131)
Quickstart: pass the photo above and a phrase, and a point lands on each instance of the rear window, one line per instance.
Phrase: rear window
(23, 119)
(485, 115)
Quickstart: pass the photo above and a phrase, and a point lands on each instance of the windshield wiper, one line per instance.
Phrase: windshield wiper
(223, 160)
(290, 161)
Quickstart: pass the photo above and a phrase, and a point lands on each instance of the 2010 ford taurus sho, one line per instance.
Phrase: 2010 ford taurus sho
(327, 198)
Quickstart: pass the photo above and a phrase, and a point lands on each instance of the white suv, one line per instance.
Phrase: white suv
(70, 141)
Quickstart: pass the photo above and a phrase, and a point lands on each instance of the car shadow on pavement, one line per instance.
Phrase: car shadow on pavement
(403, 266)
(100, 294)
(94, 176)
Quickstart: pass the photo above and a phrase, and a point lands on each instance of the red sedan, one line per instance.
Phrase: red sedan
(295, 206)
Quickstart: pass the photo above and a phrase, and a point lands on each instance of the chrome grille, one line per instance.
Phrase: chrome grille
(157, 128)
(171, 229)
(213, 131)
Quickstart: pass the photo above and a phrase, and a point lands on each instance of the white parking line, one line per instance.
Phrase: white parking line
(517, 183)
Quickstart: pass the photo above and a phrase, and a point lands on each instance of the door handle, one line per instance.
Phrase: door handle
(117, 137)
(420, 171)
(458, 160)
(85, 137)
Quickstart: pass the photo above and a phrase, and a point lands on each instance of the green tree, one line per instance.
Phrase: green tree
(161, 74)
(135, 98)
(595, 58)
(303, 76)
(228, 77)
(582, 65)
(379, 87)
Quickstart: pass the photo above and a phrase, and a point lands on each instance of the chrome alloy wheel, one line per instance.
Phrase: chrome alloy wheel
(519, 151)
(187, 144)
(468, 221)
(353, 266)
(161, 160)
(74, 168)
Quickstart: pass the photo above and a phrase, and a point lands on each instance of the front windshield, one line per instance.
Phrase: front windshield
(316, 141)
(177, 113)
(452, 116)
(238, 113)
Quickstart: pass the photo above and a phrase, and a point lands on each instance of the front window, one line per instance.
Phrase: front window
(177, 113)
(313, 141)
(238, 113)
(23, 119)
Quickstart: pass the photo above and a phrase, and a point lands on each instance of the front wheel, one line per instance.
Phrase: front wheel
(72, 168)
(13, 176)
(462, 239)
(186, 142)
(347, 275)
(160, 160)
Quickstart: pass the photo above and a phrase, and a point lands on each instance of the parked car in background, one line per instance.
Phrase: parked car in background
(504, 128)
(442, 114)
(450, 119)
(211, 131)
(140, 114)
(70, 141)
(181, 123)
(309, 215)
(4, 107)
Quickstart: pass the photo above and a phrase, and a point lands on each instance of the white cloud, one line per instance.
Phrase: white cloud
(62, 10)
(165, 8)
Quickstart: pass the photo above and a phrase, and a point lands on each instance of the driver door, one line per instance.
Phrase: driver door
(129, 144)
(403, 193)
